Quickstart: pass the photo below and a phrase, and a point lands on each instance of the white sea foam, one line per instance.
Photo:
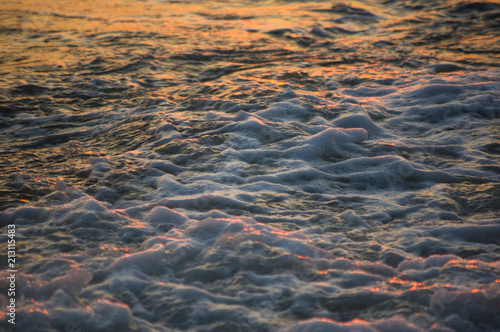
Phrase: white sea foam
(324, 169)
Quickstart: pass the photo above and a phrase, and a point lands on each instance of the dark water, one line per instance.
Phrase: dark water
(251, 166)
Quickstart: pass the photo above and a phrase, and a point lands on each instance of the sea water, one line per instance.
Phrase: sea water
(251, 165)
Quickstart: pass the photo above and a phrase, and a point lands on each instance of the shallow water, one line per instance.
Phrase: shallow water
(251, 165)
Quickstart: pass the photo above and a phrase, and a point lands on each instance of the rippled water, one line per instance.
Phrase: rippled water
(251, 165)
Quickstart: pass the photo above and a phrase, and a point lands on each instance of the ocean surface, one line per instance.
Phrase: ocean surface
(251, 165)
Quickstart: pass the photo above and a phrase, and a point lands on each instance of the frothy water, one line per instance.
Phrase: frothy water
(251, 166)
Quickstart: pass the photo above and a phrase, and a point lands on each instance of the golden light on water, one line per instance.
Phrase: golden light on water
(317, 159)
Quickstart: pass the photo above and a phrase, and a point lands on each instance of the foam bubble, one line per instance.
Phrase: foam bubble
(321, 325)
